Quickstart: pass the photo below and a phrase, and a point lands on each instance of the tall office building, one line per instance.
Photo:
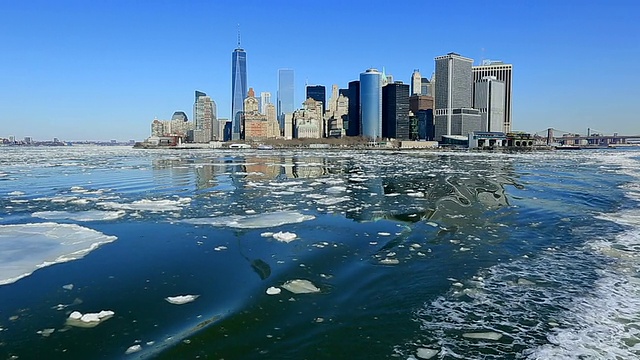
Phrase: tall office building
(317, 93)
(334, 98)
(204, 113)
(285, 95)
(353, 115)
(395, 111)
(489, 99)
(504, 73)
(416, 83)
(454, 81)
(180, 115)
(238, 88)
(371, 104)
(265, 98)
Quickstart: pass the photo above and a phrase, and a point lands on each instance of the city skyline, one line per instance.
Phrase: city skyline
(104, 71)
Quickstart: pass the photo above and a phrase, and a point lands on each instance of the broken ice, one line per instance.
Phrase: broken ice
(300, 286)
(181, 299)
(90, 215)
(79, 319)
(254, 221)
(25, 248)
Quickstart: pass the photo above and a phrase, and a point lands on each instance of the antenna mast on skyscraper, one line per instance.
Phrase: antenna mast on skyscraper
(238, 35)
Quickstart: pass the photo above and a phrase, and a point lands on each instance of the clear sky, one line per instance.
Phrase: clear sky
(100, 70)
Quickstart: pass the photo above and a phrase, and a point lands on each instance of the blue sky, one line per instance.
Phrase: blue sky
(100, 70)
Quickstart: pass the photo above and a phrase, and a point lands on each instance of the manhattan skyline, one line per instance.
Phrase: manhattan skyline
(85, 71)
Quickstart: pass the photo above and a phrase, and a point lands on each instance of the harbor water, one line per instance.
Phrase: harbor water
(120, 253)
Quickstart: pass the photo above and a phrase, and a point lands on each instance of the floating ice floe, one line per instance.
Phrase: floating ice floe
(16, 193)
(181, 299)
(267, 234)
(79, 319)
(336, 189)
(286, 183)
(25, 248)
(90, 215)
(273, 290)
(491, 335)
(253, 221)
(148, 205)
(332, 201)
(424, 353)
(46, 332)
(389, 261)
(300, 286)
(133, 349)
(357, 179)
(285, 236)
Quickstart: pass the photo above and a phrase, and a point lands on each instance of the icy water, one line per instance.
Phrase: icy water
(117, 253)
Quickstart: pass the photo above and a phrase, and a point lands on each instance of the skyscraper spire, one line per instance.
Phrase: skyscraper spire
(238, 35)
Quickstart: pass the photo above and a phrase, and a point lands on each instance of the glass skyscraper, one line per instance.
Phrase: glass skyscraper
(285, 94)
(238, 88)
(353, 124)
(371, 104)
(318, 93)
(395, 111)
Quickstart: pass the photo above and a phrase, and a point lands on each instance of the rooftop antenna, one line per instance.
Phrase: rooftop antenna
(238, 35)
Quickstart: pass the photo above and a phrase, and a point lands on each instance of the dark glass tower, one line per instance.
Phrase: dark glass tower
(395, 111)
(318, 93)
(353, 128)
(238, 88)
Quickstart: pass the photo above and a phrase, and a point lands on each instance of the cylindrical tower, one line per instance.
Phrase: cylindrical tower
(371, 104)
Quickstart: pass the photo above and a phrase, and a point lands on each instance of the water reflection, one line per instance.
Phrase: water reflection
(362, 186)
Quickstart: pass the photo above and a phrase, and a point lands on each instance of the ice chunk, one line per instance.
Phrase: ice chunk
(357, 179)
(181, 299)
(68, 287)
(273, 290)
(16, 193)
(300, 286)
(90, 215)
(332, 201)
(46, 332)
(267, 234)
(491, 335)
(389, 261)
(384, 233)
(25, 248)
(132, 349)
(285, 236)
(149, 205)
(88, 320)
(253, 221)
(424, 353)
(336, 189)
(76, 315)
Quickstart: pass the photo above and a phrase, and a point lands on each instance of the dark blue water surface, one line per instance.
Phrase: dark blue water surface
(415, 254)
